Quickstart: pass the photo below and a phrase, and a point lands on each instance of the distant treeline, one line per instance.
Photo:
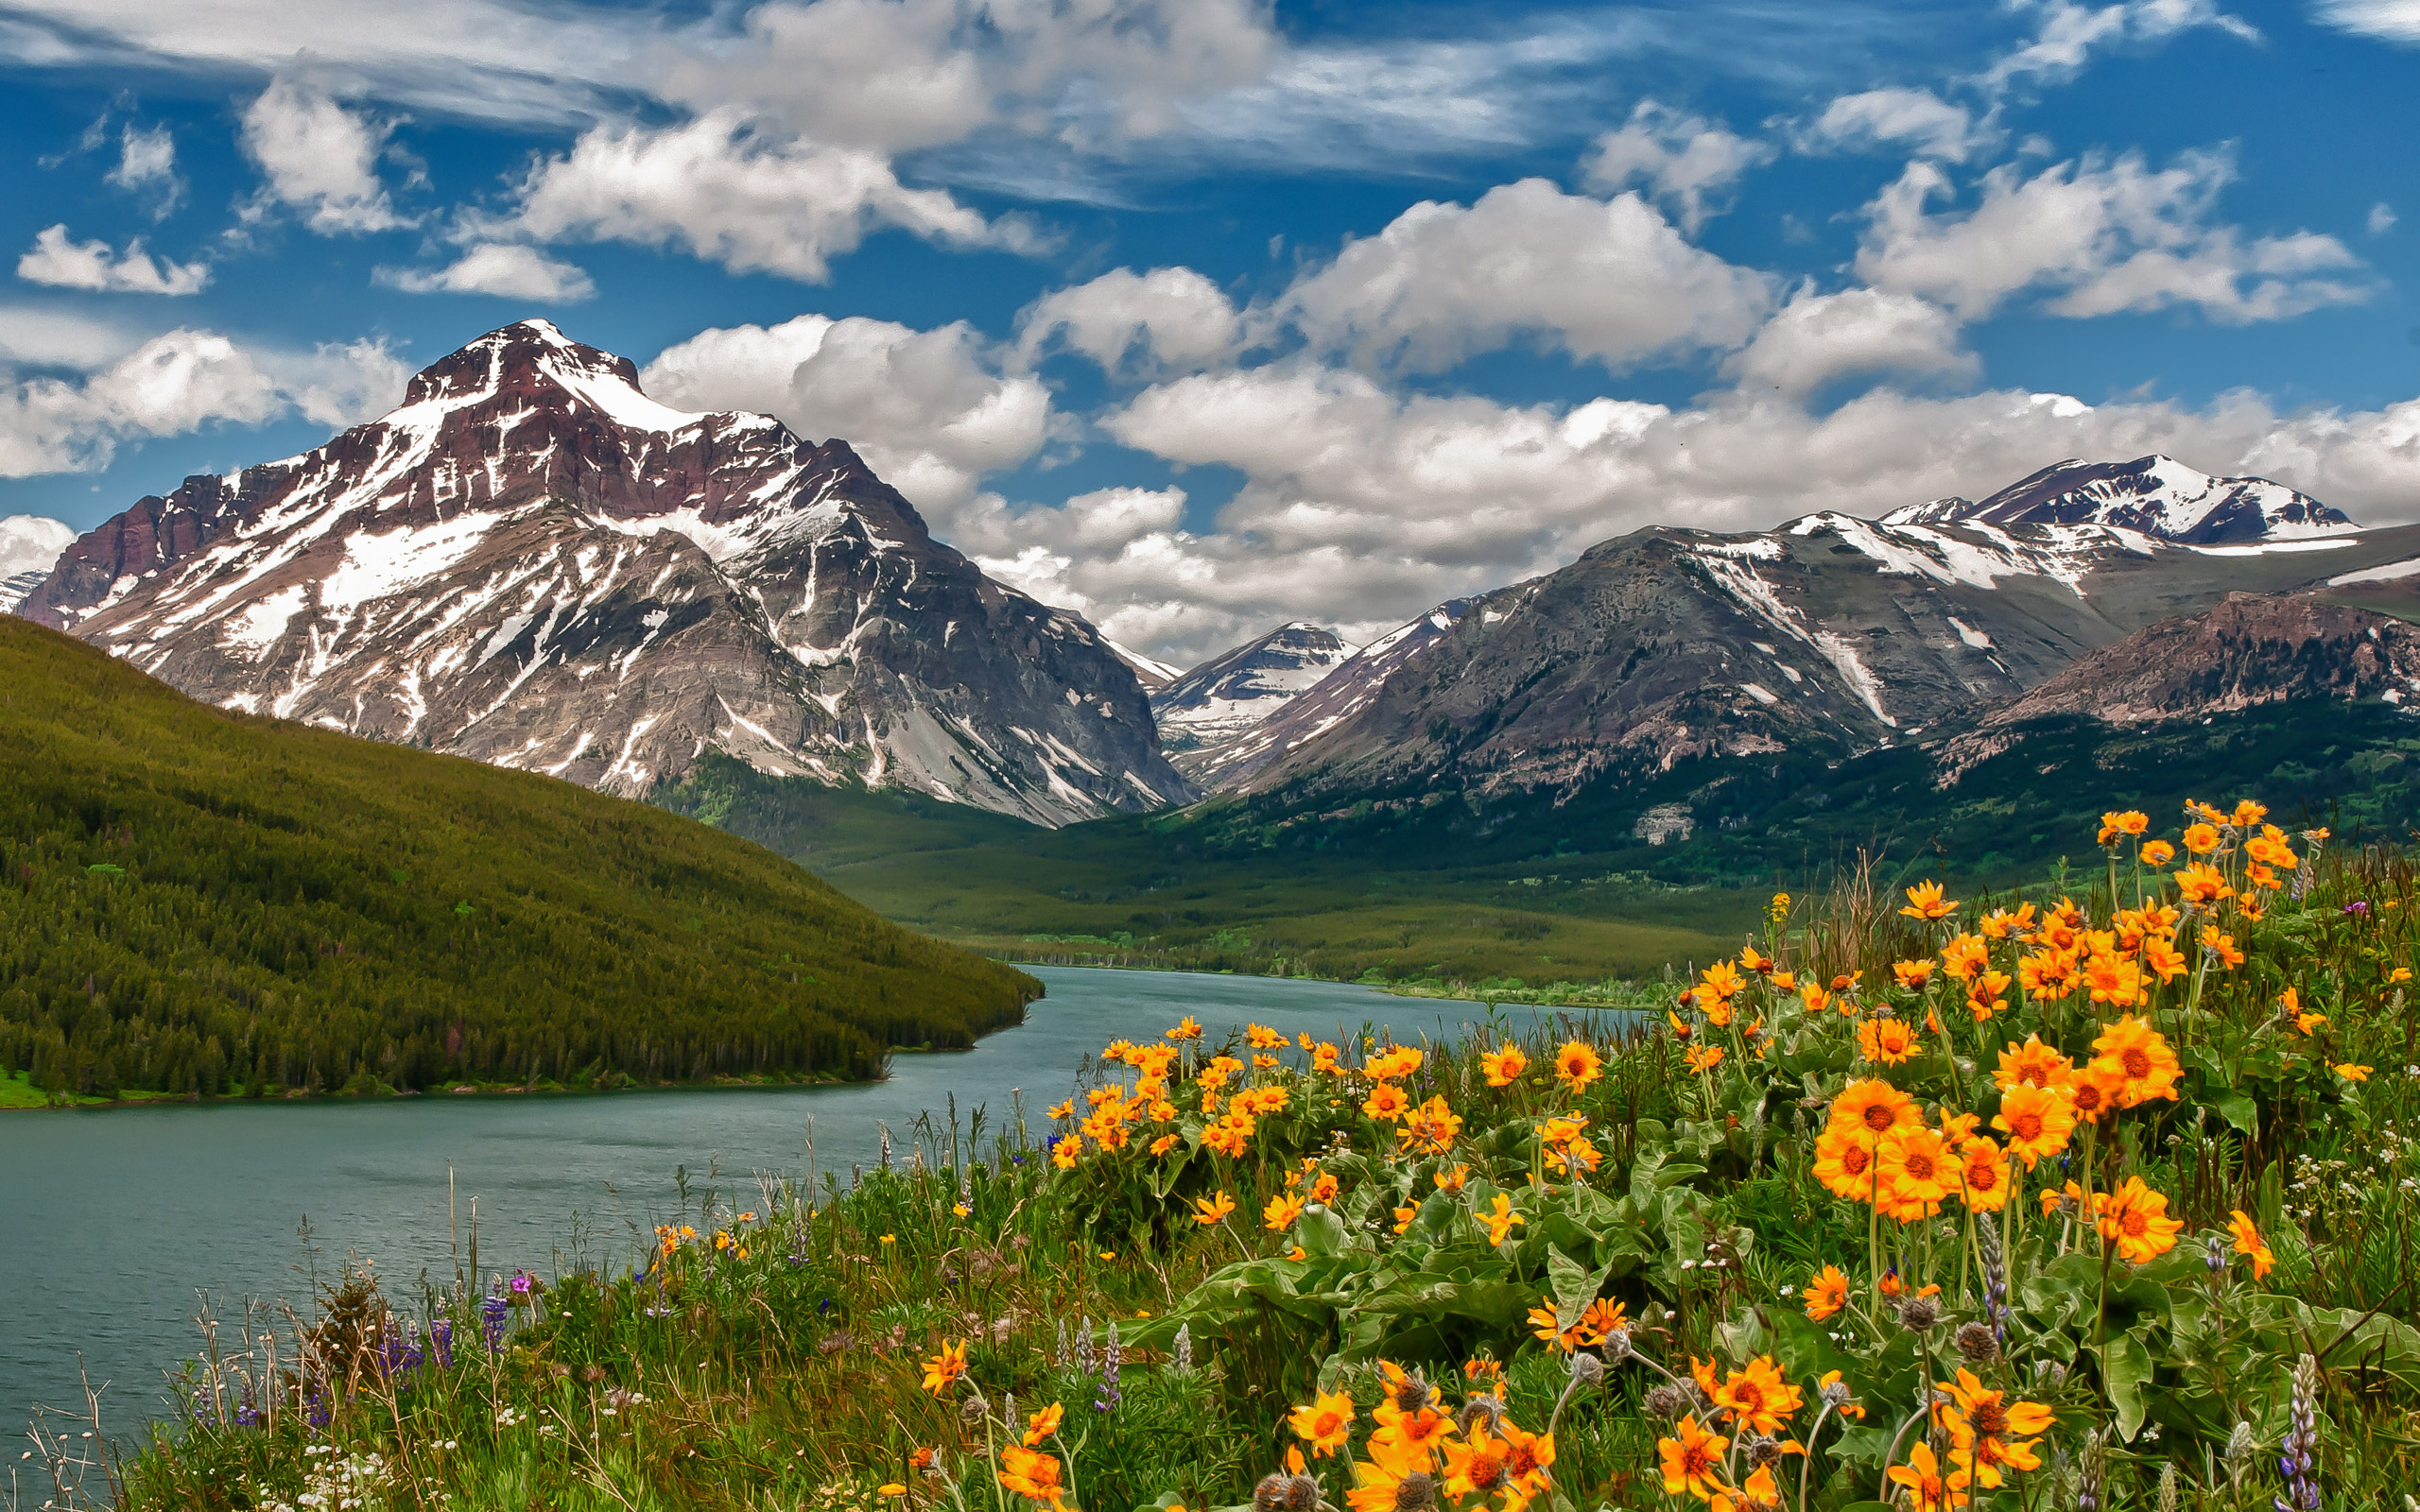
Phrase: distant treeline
(192, 901)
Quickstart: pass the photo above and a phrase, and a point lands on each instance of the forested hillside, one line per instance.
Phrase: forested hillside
(193, 900)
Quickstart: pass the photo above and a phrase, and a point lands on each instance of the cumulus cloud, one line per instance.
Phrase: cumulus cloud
(2387, 20)
(505, 270)
(720, 188)
(1685, 160)
(61, 263)
(147, 165)
(321, 158)
(1168, 318)
(46, 337)
(1607, 280)
(2100, 236)
(1914, 120)
(1368, 506)
(2071, 33)
(929, 410)
(1816, 339)
(179, 382)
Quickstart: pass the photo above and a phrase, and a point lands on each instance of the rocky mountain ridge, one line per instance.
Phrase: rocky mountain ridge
(532, 563)
(1205, 708)
(1829, 634)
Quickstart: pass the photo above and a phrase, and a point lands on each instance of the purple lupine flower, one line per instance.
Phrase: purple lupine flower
(440, 1343)
(2298, 1461)
(315, 1402)
(1107, 1397)
(493, 1313)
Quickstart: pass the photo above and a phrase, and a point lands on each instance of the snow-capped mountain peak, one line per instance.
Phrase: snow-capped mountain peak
(2156, 496)
(1232, 692)
(533, 563)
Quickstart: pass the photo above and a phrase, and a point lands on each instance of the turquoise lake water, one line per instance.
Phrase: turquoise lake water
(117, 1219)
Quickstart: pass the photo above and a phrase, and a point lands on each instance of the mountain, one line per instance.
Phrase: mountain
(1826, 636)
(535, 564)
(1153, 675)
(2247, 651)
(1326, 703)
(2155, 495)
(1208, 707)
(29, 545)
(198, 897)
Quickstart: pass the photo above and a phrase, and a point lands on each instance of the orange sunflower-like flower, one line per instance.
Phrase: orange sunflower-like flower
(1504, 1067)
(1721, 980)
(2031, 1064)
(1188, 1028)
(1692, 1459)
(1987, 994)
(2122, 825)
(1913, 1171)
(2135, 1218)
(1844, 1161)
(2200, 839)
(2158, 853)
(2049, 972)
(1279, 1213)
(2202, 883)
(1986, 1426)
(1529, 1457)
(946, 1367)
(1887, 1042)
(1872, 1107)
(1432, 1127)
(1547, 1328)
(2249, 1243)
(2114, 980)
(1034, 1476)
(1325, 1424)
(2353, 1073)
(1479, 1468)
(1983, 1176)
(1260, 1036)
(1704, 1058)
(1927, 1489)
(1913, 974)
(1502, 1220)
(1926, 901)
(1213, 1210)
(1066, 1150)
(1758, 1397)
(1043, 1424)
(2142, 1057)
(1827, 1291)
(2093, 1090)
(1387, 1101)
(1965, 956)
(1578, 1064)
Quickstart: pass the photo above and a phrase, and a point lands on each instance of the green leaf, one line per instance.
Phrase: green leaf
(1574, 1287)
(2238, 1109)
(2126, 1369)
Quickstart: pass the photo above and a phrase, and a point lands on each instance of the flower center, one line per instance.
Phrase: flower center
(2136, 1061)
(1878, 1118)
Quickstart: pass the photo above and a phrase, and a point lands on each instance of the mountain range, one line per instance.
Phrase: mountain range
(532, 563)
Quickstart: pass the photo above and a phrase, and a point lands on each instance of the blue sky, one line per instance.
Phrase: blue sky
(1202, 315)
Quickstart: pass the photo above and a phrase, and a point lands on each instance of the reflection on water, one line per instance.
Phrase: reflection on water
(116, 1218)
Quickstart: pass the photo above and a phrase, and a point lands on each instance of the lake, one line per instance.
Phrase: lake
(117, 1218)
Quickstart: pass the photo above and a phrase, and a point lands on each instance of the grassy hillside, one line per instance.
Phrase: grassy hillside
(193, 900)
(1417, 887)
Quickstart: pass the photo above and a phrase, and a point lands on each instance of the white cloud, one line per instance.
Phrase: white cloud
(31, 543)
(321, 158)
(2102, 236)
(1914, 120)
(505, 270)
(929, 410)
(179, 382)
(894, 76)
(2387, 20)
(2381, 218)
(1818, 337)
(1607, 280)
(71, 265)
(146, 164)
(1364, 506)
(1168, 318)
(2071, 33)
(1685, 159)
(44, 336)
(174, 382)
(726, 192)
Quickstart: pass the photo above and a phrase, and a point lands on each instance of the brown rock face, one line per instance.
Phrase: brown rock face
(532, 563)
(2247, 650)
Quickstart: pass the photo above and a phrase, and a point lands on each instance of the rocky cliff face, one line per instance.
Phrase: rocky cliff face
(1204, 709)
(2248, 650)
(1828, 635)
(532, 563)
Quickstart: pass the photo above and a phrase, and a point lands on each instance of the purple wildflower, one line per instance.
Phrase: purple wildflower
(440, 1343)
(493, 1313)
